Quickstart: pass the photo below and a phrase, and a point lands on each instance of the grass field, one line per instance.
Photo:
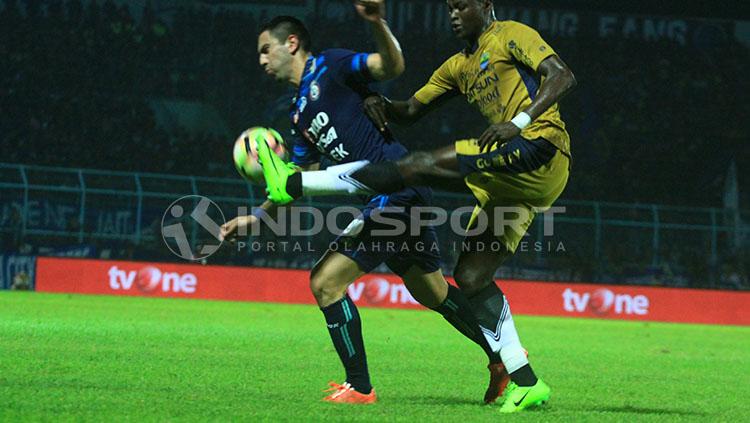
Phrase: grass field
(104, 358)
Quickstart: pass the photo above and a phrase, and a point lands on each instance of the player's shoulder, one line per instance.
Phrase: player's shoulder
(335, 53)
(454, 59)
(509, 27)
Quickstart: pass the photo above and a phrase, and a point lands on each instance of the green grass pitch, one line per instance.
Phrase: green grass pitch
(76, 357)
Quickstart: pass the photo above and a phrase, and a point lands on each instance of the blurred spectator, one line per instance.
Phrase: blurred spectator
(21, 282)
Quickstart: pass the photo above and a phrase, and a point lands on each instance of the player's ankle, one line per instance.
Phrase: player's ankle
(524, 376)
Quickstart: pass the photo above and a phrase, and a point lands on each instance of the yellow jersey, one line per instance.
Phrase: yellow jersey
(500, 78)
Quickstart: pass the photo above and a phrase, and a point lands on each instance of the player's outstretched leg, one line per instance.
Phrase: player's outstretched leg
(328, 281)
(437, 168)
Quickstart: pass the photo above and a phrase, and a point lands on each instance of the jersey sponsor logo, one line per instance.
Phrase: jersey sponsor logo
(603, 301)
(318, 123)
(484, 91)
(322, 138)
(314, 90)
(339, 153)
(326, 138)
(498, 161)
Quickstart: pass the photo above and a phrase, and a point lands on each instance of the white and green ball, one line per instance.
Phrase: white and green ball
(245, 153)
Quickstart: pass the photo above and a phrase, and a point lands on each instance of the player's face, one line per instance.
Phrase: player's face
(274, 57)
(468, 17)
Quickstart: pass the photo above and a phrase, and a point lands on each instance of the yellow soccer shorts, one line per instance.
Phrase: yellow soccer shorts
(511, 184)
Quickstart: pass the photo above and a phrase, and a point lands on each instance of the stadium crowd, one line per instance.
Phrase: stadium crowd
(650, 121)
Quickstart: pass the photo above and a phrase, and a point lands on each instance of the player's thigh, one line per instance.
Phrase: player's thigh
(443, 158)
(331, 275)
(436, 168)
(429, 288)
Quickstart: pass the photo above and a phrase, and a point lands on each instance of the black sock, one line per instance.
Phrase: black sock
(382, 177)
(457, 311)
(488, 305)
(524, 376)
(294, 185)
(345, 328)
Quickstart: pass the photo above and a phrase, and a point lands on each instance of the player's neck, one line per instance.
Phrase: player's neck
(298, 68)
(473, 43)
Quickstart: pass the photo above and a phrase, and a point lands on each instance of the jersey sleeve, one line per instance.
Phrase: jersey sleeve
(303, 153)
(347, 65)
(526, 45)
(441, 82)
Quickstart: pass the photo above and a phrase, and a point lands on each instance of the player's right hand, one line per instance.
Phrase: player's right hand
(239, 225)
(371, 10)
(374, 107)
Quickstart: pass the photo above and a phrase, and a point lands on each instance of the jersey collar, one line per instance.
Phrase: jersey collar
(468, 51)
(302, 89)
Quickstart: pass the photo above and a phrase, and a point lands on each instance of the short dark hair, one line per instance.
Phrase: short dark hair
(281, 27)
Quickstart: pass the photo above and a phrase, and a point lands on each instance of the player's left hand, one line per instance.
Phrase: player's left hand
(371, 10)
(374, 107)
(497, 134)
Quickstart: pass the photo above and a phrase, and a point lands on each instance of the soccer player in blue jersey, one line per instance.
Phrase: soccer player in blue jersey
(328, 120)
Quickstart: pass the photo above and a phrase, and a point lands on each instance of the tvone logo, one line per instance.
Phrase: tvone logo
(378, 290)
(150, 279)
(603, 300)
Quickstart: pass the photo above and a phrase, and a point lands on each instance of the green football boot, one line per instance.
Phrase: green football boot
(275, 172)
(518, 398)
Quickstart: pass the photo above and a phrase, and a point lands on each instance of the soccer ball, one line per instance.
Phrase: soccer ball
(245, 153)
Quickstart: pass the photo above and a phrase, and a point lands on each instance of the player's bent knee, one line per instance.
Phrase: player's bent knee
(325, 290)
(327, 283)
(471, 280)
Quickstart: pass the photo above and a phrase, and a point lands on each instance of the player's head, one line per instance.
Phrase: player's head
(470, 17)
(280, 41)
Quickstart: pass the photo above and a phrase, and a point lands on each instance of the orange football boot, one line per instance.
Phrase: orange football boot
(347, 394)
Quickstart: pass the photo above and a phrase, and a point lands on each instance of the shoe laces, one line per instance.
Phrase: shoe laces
(510, 389)
(339, 389)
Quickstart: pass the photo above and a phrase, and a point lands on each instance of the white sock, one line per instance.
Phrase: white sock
(504, 339)
(335, 180)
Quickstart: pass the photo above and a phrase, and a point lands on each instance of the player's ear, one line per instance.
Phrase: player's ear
(292, 44)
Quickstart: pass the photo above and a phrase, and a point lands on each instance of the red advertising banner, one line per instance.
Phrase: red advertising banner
(291, 286)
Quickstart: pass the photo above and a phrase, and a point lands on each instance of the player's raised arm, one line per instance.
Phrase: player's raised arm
(382, 110)
(558, 81)
(440, 88)
(388, 62)
(528, 48)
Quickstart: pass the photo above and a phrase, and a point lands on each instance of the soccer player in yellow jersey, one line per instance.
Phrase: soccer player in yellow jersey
(518, 165)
